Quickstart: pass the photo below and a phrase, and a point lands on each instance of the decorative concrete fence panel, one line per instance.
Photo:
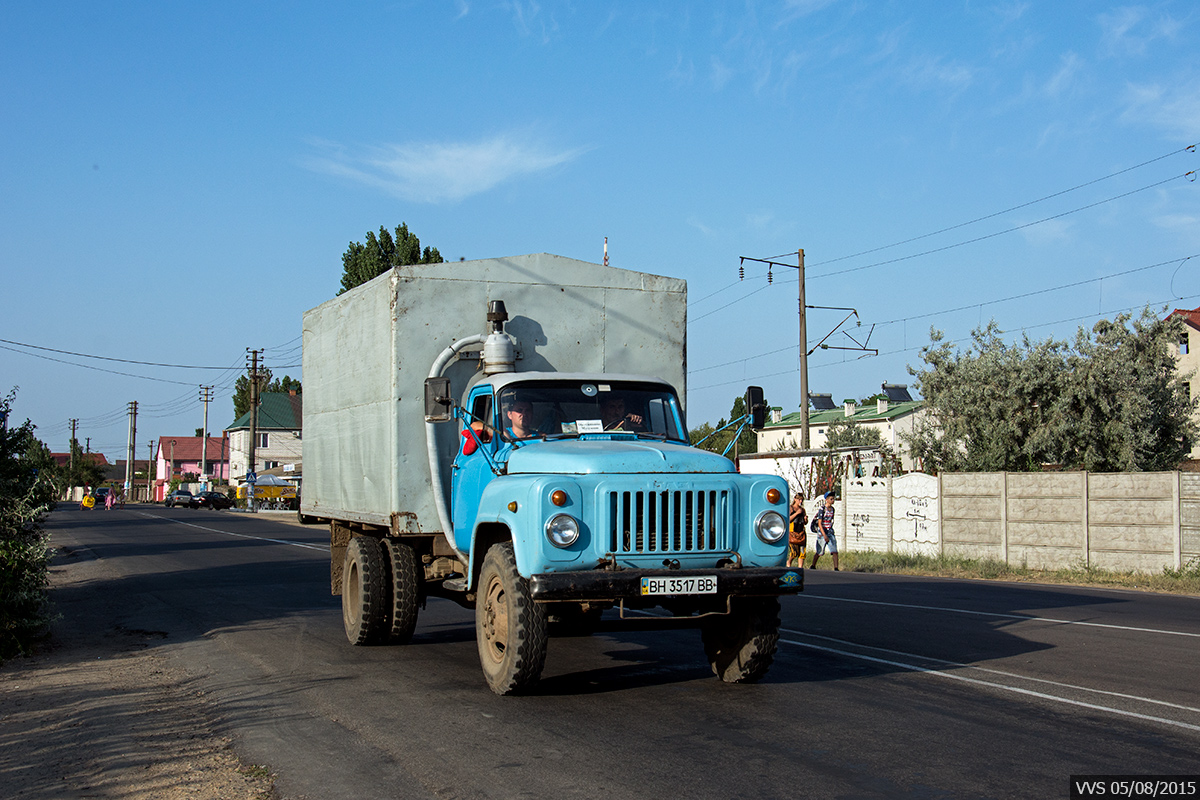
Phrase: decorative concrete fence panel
(916, 518)
(973, 518)
(1047, 526)
(865, 526)
(1189, 518)
(1133, 520)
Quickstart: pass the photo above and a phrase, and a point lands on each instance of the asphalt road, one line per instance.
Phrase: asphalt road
(891, 687)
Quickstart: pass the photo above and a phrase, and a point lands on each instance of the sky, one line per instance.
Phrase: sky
(179, 181)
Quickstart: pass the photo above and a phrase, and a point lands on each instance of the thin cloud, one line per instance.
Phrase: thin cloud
(439, 171)
(1175, 111)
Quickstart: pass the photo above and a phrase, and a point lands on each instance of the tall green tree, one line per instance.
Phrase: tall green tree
(81, 469)
(26, 495)
(1113, 401)
(366, 260)
(241, 389)
(747, 439)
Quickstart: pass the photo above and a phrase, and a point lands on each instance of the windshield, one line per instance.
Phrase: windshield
(550, 408)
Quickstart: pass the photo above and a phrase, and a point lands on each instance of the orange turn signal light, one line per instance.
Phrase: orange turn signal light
(774, 496)
(513, 506)
(558, 497)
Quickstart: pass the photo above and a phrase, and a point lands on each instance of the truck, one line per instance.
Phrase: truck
(510, 434)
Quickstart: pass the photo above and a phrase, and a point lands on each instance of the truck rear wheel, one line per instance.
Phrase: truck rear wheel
(364, 592)
(406, 590)
(510, 628)
(740, 646)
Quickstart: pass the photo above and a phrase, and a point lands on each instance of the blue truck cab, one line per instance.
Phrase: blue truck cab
(581, 493)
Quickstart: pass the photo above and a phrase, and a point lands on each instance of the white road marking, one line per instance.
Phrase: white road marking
(1023, 617)
(1002, 687)
(1017, 676)
(306, 545)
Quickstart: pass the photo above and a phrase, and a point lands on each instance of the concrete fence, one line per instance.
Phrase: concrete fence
(1127, 521)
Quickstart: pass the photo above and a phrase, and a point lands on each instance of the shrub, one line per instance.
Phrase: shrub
(26, 495)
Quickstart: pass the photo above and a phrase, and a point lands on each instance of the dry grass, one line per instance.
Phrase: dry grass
(1183, 581)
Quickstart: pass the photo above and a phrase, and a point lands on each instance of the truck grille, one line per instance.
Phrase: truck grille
(692, 521)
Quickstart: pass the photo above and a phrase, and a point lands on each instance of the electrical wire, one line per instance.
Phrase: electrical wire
(1189, 149)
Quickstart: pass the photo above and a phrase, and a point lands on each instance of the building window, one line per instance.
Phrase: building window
(1183, 343)
(262, 440)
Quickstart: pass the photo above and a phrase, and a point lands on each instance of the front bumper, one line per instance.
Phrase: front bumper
(626, 584)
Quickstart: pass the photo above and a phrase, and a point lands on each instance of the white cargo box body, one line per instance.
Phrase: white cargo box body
(367, 354)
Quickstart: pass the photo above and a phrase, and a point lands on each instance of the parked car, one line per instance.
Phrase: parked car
(214, 500)
(180, 497)
(101, 494)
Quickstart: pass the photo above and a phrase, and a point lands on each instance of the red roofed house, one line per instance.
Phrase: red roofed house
(1187, 356)
(177, 455)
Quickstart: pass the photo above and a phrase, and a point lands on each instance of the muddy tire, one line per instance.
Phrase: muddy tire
(404, 572)
(365, 592)
(510, 628)
(741, 646)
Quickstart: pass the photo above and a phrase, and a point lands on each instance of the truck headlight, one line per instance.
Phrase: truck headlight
(563, 530)
(771, 527)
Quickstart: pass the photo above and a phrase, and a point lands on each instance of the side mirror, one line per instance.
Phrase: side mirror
(756, 407)
(438, 403)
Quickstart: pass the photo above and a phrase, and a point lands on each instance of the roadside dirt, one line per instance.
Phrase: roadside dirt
(100, 712)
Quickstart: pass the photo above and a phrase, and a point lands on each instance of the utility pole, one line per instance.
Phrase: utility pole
(206, 398)
(71, 446)
(150, 474)
(805, 442)
(133, 406)
(250, 470)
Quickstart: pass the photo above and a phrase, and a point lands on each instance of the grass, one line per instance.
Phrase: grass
(1174, 581)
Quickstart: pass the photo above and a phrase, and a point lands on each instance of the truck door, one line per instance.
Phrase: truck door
(471, 471)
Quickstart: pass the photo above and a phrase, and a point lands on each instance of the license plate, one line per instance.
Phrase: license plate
(696, 584)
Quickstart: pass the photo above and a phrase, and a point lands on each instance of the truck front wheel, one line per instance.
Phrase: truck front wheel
(510, 628)
(364, 592)
(406, 590)
(741, 645)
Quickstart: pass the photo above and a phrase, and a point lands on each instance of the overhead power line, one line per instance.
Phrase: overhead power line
(1189, 149)
(105, 358)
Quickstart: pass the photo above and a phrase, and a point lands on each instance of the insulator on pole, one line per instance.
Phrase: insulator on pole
(770, 278)
(741, 272)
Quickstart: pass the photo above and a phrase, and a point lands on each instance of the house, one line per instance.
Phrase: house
(279, 429)
(177, 456)
(1187, 357)
(892, 417)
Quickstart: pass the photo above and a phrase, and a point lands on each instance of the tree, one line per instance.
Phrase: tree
(747, 440)
(81, 469)
(241, 389)
(363, 261)
(26, 495)
(851, 433)
(1111, 402)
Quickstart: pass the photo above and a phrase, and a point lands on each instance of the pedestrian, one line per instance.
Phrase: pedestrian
(826, 538)
(797, 532)
(109, 499)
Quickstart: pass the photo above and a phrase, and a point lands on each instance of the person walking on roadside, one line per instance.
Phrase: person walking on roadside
(109, 499)
(797, 532)
(826, 539)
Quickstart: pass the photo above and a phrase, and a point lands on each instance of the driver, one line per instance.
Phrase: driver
(615, 418)
(520, 419)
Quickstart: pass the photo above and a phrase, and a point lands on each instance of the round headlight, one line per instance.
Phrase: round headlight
(562, 530)
(771, 527)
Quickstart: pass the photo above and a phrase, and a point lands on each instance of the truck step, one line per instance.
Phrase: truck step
(458, 584)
